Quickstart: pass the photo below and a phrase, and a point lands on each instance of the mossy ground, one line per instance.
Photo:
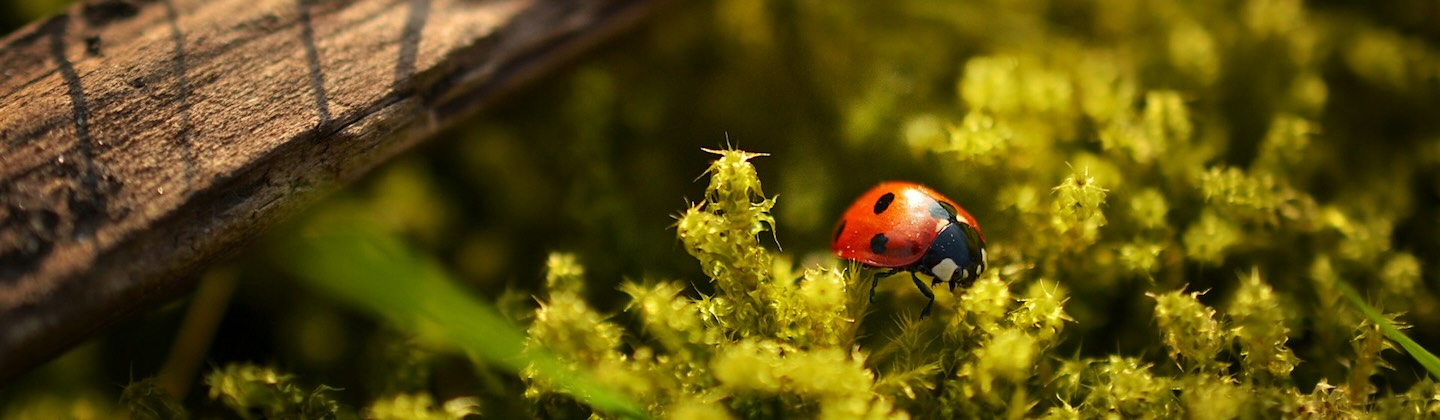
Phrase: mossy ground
(1171, 191)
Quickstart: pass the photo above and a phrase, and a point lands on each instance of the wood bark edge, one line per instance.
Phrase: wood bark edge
(140, 140)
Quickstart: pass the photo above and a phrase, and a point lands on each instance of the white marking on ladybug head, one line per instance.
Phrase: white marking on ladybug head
(944, 270)
(964, 273)
(984, 259)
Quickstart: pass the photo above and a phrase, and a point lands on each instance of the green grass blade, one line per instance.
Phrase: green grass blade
(377, 273)
(1421, 355)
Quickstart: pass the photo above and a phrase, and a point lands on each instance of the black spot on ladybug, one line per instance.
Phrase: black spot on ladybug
(838, 230)
(884, 202)
(877, 243)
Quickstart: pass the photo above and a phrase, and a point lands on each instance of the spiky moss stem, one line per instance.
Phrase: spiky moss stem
(722, 232)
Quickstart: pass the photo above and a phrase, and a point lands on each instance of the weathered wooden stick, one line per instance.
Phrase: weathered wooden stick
(141, 139)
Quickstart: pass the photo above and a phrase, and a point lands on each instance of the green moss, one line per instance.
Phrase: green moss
(1190, 331)
(980, 139)
(420, 407)
(1127, 387)
(762, 346)
(259, 392)
(1260, 330)
(1210, 398)
(1210, 238)
(146, 400)
(1076, 213)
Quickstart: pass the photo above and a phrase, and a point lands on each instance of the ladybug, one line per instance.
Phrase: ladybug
(904, 226)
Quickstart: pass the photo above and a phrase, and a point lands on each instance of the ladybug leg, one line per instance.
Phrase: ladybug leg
(876, 281)
(924, 290)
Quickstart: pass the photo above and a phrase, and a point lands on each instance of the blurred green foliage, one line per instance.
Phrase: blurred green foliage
(1172, 192)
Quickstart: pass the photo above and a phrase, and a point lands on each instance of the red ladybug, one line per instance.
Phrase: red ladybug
(904, 226)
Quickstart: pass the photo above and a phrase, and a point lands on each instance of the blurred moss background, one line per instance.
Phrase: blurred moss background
(1296, 139)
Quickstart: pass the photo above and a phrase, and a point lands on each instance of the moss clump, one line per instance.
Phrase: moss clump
(1261, 332)
(765, 341)
(761, 337)
(146, 400)
(1077, 209)
(770, 343)
(259, 392)
(1189, 330)
(421, 407)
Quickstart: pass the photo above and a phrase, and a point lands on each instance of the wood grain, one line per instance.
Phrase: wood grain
(141, 139)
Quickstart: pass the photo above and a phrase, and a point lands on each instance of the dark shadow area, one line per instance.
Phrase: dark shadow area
(410, 42)
(182, 90)
(312, 56)
(87, 205)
